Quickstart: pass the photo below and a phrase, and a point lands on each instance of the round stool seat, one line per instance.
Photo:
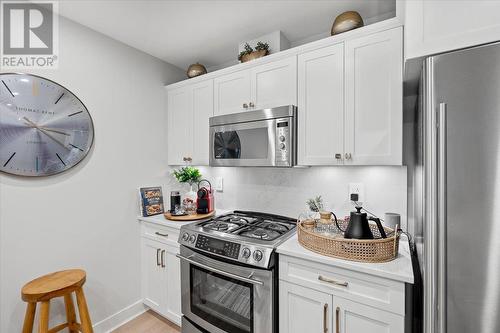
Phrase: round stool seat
(53, 285)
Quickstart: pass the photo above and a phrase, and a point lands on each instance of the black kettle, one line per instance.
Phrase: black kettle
(359, 228)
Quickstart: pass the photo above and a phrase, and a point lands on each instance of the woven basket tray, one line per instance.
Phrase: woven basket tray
(363, 250)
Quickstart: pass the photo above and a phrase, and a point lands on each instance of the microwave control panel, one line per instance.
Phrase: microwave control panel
(283, 142)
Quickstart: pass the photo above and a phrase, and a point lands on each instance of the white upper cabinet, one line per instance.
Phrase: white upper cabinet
(180, 128)
(442, 25)
(265, 86)
(374, 94)
(348, 93)
(321, 106)
(274, 84)
(203, 109)
(232, 93)
(189, 109)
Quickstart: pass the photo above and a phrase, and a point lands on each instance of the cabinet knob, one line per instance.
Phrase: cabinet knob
(187, 159)
(348, 156)
(251, 105)
(338, 156)
(245, 106)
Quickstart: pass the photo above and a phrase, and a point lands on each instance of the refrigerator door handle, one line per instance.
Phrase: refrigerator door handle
(442, 217)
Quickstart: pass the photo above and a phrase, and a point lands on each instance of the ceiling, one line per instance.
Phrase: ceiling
(184, 32)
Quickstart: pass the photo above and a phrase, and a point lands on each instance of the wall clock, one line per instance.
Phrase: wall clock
(44, 128)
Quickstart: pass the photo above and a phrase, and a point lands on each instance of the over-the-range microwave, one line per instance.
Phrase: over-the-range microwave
(264, 138)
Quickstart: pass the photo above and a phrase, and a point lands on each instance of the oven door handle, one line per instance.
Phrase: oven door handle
(231, 275)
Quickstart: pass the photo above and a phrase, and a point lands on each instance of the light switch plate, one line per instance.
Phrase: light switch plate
(219, 184)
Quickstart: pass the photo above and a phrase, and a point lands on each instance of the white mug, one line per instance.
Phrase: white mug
(392, 219)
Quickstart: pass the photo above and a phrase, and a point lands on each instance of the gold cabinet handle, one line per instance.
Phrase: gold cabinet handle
(160, 234)
(157, 257)
(332, 281)
(325, 318)
(162, 258)
(337, 320)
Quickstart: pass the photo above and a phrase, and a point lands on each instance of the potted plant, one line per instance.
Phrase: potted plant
(261, 50)
(316, 205)
(190, 175)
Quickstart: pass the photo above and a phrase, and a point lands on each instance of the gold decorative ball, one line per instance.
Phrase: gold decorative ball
(347, 21)
(196, 70)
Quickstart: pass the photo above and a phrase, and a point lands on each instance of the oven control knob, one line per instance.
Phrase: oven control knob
(192, 238)
(282, 146)
(246, 253)
(257, 255)
(282, 138)
(185, 237)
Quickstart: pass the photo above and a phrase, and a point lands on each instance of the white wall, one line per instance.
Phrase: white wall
(86, 217)
(285, 191)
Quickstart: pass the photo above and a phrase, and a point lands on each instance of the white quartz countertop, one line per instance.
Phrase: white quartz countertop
(161, 220)
(400, 269)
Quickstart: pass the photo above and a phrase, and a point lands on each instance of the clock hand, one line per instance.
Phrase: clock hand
(53, 138)
(32, 124)
(53, 130)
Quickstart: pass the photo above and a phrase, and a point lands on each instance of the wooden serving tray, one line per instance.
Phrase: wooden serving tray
(184, 218)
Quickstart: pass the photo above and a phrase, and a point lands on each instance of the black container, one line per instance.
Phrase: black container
(175, 200)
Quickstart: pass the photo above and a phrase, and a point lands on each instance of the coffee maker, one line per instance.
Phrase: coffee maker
(205, 198)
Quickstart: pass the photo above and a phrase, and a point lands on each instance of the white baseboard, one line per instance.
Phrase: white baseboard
(121, 317)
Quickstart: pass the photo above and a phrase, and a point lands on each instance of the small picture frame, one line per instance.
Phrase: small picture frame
(151, 199)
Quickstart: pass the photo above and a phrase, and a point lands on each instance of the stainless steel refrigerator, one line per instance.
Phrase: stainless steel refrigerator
(454, 174)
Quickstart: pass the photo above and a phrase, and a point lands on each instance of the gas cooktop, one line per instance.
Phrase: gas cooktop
(248, 237)
(250, 225)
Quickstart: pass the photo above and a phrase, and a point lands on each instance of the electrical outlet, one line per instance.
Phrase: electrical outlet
(219, 184)
(359, 189)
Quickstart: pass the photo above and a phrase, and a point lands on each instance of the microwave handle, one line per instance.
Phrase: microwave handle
(231, 275)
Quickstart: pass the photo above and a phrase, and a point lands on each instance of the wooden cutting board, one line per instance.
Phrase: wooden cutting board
(185, 218)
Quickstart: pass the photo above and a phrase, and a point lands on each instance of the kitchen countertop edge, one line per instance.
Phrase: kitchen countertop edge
(399, 269)
(161, 220)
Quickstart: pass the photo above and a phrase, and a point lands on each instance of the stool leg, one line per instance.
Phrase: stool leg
(70, 313)
(43, 326)
(29, 318)
(84, 311)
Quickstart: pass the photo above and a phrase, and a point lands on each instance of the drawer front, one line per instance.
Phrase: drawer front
(367, 289)
(160, 233)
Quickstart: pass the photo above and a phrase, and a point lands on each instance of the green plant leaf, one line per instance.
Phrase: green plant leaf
(187, 174)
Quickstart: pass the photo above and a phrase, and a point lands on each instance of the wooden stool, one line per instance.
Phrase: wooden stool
(58, 284)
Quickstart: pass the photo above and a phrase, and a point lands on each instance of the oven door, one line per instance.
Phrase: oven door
(244, 144)
(225, 298)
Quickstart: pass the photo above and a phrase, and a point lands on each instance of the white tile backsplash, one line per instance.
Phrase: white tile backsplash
(285, 191)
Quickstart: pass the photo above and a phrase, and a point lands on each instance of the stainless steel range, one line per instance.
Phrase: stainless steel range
(229, 272)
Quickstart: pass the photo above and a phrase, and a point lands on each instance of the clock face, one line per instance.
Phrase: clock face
(44, 128)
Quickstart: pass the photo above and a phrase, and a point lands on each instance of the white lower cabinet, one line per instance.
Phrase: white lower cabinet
(154, 277)
(160, 275)
(303, 309)
(352, 317)
(317, 298)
